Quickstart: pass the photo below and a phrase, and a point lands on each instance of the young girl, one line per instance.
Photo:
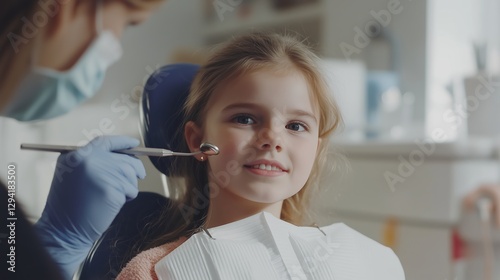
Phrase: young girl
(262, 100)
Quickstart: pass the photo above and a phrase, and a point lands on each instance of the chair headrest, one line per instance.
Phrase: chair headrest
(163, 99)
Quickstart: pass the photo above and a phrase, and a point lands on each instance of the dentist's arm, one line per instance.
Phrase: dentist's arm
(88, 190)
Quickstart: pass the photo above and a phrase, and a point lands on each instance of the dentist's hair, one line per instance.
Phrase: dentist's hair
(240, 56)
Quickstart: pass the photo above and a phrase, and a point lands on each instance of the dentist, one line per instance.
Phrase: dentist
(53, 56)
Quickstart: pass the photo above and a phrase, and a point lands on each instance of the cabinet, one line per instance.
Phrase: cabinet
(418, 213)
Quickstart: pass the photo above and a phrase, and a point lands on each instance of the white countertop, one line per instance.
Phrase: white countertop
(472, 148)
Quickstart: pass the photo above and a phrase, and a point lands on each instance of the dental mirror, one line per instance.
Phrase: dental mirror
(209, 149)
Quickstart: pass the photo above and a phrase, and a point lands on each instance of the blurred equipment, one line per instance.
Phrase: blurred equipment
(483, 101)
(346, 81)
(383, 86)
(482, 96)
(482, 240)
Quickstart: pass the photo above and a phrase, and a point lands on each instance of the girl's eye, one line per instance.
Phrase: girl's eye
(296, 126)
(244, 120)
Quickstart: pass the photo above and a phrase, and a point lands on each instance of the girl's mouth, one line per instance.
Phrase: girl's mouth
(265, 169)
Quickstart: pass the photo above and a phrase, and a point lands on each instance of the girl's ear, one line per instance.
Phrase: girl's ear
(193, 136)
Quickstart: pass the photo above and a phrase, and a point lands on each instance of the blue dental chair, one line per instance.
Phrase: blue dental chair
(162, 101)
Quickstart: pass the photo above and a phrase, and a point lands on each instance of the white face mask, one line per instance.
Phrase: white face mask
(45, 93)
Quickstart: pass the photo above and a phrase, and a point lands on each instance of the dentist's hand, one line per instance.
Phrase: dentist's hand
(88, 190)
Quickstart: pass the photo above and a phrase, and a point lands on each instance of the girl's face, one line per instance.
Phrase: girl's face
(266, 128)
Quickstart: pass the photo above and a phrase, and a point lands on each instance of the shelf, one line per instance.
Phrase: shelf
(473, 148)
(273, 19)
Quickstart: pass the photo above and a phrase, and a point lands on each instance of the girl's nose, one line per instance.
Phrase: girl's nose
(269, 139)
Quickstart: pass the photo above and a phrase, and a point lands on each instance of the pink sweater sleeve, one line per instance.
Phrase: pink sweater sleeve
(142, 266)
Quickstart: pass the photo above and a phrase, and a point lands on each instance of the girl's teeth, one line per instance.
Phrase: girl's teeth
(266, 167)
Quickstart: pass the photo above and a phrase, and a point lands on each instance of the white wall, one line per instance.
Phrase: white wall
(453, 28)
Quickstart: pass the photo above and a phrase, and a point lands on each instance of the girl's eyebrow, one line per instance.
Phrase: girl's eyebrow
(294, 112)
(302, 113)
(241, 106)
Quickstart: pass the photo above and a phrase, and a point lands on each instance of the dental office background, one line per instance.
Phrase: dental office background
(418, 85)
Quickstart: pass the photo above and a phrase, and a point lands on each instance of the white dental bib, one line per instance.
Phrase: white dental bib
(265, 247)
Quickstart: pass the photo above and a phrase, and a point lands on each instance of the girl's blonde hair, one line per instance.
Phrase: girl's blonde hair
(240, 56)
(16, 48)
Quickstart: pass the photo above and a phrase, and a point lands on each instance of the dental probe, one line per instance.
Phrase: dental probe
(205, 148)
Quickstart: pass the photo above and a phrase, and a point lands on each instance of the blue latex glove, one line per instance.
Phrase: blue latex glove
(88, 190)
